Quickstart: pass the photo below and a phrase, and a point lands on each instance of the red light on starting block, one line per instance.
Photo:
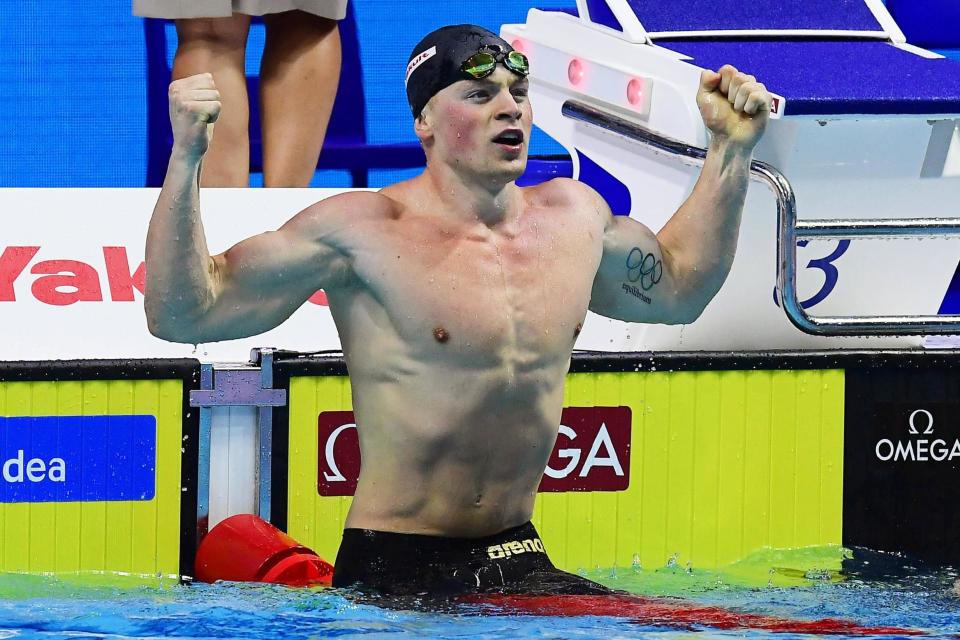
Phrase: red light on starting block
(636, 90)
(519, 45)
(575, 72)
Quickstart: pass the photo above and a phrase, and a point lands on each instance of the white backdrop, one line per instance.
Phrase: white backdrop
(70, 286)
(104, 318)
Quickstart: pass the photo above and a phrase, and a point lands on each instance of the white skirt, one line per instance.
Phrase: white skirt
(333, 9)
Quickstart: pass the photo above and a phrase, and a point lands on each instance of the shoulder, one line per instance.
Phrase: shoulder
(569, 194)
(352, 206)
(336, 215)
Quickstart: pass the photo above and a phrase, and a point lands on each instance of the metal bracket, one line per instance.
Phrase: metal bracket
(237, 387)
(790, 229)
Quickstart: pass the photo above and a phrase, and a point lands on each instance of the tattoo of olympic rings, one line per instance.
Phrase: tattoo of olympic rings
(644, 268)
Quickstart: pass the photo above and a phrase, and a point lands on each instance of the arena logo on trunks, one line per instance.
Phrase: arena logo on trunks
(62, 282)
(515, 548)
(919, 423)
(592, 452)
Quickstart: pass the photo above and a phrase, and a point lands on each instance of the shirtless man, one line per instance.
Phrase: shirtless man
(458, 297)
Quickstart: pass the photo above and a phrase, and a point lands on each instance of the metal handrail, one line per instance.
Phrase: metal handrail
(789, 229)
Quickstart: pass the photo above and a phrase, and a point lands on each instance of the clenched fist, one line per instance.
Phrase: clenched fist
(194, 107)
(734, 105)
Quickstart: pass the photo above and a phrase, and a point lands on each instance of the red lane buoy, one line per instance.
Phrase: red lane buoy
(245, 548)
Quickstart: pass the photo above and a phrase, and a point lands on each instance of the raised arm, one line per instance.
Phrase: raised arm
(192, 296)
(670, 277)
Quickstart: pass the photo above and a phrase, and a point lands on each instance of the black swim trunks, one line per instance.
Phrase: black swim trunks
(513, 561)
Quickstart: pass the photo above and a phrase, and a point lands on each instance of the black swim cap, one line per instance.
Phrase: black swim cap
(435, 62)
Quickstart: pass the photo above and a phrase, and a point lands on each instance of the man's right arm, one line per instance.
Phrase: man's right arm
(252, 287)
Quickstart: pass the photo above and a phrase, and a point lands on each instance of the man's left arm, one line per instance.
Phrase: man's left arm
(669, 278)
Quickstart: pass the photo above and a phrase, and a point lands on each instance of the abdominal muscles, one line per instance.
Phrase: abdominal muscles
(453, 450)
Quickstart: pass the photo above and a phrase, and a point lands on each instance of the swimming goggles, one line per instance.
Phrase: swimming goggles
(482, 63)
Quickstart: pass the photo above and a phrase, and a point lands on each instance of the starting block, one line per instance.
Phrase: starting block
(865, 126)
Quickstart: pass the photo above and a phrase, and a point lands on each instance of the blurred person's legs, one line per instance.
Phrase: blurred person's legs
(217, 45)
(299, 74)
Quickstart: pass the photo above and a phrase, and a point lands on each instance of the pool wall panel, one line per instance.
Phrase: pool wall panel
(717, 470)
(313, 520)
(721, 463)
(68, 533)
(904, 502)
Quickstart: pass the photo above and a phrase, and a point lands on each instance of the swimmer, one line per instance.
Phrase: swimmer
(458, 297)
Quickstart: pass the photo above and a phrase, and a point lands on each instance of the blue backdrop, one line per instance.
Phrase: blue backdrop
(73, 83)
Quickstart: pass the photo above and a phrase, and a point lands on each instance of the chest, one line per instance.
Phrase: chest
(479, 293)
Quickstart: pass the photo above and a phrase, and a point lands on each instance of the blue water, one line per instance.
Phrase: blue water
(894, 593)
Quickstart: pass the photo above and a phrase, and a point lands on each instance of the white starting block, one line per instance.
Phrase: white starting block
(865, 127)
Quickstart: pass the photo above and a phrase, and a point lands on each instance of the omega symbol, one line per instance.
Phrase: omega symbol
(913, 426)
(334, 475)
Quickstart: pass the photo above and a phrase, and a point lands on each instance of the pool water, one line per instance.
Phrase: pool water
(872, 589)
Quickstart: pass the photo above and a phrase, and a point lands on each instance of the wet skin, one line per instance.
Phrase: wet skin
(458, 328)
(457, 338)
(457, 295)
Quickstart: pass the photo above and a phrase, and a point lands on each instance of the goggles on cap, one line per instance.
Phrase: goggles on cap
(483, 62)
